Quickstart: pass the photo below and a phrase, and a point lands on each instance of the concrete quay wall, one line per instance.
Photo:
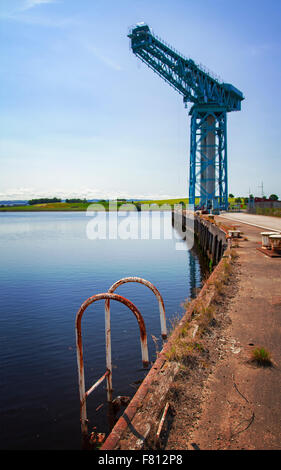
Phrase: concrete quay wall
(210, 238)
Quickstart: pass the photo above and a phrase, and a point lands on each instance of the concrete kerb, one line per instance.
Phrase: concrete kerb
(122, 426)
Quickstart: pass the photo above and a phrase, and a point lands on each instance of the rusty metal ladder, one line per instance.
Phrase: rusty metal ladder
(143, 340)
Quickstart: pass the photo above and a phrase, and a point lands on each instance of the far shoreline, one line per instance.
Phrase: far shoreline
(104, 206)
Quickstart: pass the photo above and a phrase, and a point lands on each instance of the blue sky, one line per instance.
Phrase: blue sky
(80, 115)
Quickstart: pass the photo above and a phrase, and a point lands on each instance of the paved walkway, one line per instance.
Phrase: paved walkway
(261, 221)
(242, 404)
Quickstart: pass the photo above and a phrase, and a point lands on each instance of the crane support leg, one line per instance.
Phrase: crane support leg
(208, 158)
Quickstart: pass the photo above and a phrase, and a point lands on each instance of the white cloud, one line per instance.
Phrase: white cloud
(28, 4)
(25, 193)
(103, 58)
(23, 14)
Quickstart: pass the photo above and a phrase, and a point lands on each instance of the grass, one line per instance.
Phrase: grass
(55, 206)
(171, 202)
(82, 206)
(274, 212)
(205, 316)
(62, 206)
(185, 346)
(261, 357)
(182, 351)
(163, 204)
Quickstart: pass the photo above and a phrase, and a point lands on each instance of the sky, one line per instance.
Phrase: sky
(82, 116)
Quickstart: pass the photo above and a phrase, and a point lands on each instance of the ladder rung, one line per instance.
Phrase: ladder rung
(98, 382)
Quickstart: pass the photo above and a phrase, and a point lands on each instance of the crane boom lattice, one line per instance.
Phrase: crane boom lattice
(211, 100)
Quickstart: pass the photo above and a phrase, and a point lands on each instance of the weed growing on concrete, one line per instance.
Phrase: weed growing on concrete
(184, 330)
(184, 351)
(227, 267)
(219, 287)
(177, 352)
(233, 255)
(198, 346)
(174, 321)
(184, 348)
(186, 304)
(205, 318)
(261, 357)
(223, 277)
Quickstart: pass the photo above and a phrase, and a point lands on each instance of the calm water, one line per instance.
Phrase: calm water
(48, 268)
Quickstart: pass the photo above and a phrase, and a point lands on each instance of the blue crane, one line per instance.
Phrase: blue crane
(211, 100)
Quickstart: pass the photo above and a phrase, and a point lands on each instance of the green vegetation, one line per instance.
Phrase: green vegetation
(71, 201)
(273, 211)
(187, 340)
(161, 202)
(77, 204)
(43, 200)
(54, 204)
(241, 202)
(261, 357)
(45, 207)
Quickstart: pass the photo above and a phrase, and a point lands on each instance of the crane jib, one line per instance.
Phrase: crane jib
(191, 80)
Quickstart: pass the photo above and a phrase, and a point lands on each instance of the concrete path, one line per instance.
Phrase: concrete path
(261, 221)
(242, 405)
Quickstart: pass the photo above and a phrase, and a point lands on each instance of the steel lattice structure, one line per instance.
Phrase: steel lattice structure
(211, 100)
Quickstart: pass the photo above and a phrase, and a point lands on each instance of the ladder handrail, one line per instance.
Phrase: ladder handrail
(108, 373)
(153, 289)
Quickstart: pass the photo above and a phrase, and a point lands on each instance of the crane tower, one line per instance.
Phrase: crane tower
(211, 100)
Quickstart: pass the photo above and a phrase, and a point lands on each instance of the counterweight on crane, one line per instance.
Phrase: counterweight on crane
(211, 100)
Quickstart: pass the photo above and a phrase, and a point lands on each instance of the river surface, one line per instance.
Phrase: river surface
(49, 265)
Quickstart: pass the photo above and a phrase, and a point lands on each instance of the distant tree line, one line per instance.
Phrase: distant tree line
(43, 200)
(47, 200)
(76, 200)
(272, 197)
